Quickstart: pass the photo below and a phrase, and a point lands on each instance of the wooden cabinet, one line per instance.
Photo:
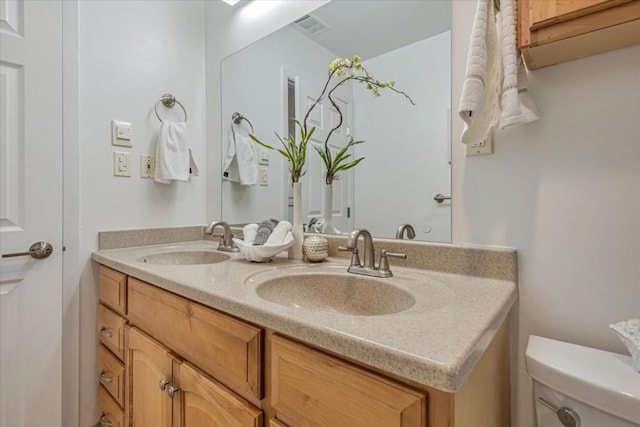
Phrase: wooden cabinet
(554, 31)
(112, 287)
(111, 350)
(309, 388)
(150, 372)
(226, 348)
(109, 413)
(164, 391)
(166, 361)
(203, 402)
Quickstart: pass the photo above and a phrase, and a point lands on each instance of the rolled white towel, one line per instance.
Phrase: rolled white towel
(279, 233)
(249, 232)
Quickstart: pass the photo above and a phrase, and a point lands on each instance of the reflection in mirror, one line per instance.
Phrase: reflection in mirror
(406, 148)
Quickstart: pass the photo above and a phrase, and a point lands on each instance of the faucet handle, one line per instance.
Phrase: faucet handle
(355, 259)
(384, 262)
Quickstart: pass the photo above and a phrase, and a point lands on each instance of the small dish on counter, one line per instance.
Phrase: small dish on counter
(263, 253)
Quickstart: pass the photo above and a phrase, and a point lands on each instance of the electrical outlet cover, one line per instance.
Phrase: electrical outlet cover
(147, 166)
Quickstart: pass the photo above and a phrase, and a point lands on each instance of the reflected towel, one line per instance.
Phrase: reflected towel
(241, 161)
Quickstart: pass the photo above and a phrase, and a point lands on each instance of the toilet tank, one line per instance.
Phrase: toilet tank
(601, 387)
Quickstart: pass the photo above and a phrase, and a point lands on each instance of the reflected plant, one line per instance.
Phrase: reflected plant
(340, 72)
(292, 151)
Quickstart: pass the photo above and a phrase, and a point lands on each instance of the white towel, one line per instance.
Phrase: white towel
(241, 161)
(516, 103)
(278, 234)
(173, 156)
(478, 106)
(249, 232)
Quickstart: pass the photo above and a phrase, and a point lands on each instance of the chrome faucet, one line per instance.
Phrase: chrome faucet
(411, 232)
(226, 242)
(369, 267)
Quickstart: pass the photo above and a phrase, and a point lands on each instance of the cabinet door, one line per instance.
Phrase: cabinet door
(226, 348)
(543, 13)
(201, 402)
(310, 388)
(148, 363)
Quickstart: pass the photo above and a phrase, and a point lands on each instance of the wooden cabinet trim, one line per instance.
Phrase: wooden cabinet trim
(111, 374)
(606, 26)
(219, 404)
(108, 409)
(110, 330)
(304, 383)
(147, 351)
(226, 348)
(112, 288)
(551, 12)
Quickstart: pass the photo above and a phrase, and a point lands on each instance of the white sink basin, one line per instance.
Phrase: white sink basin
(342, 293)
(187, 257)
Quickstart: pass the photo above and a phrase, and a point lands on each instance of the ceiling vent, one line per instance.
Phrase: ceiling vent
(310, 25)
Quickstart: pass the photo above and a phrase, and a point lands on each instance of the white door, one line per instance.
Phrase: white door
(325, 117)
(30, 211)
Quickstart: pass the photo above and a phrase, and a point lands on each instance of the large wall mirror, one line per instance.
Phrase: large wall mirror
(407, 147)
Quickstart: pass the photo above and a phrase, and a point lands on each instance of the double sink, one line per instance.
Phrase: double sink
(318, 287)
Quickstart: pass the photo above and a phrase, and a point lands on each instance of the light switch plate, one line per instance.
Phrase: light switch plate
(121, 133)
(147, 166)
(264, 157)
(121, 163)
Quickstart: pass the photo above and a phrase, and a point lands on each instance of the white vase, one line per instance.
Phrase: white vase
(327, 212)
(295, 251)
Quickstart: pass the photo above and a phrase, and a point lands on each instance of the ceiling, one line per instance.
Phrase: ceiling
(371, 28)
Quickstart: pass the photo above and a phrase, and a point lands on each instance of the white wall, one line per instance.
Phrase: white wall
(564, 192)
(130, 53)
(412, 139)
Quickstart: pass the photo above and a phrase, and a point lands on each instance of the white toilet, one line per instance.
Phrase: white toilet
(582, 387)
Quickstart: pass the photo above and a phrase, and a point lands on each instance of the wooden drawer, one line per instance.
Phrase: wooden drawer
(112, 287)
(111, 330)
(111, 374)
(310, 388)
(226, 348)
(108, 410)
(210, 404)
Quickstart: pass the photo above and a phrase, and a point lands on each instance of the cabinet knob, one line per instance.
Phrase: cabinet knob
(102, 423)
(104, 378)
(164, 384)
(172, 391)
(106, 333)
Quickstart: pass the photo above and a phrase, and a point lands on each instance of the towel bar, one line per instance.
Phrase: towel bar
(237, 118)
(169, 101)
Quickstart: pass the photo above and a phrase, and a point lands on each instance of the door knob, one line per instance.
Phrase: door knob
(38, 250)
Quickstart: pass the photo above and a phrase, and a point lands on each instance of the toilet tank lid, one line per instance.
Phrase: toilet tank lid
(604, 380)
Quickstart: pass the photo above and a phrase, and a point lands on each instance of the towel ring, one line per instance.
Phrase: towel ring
(169, 101)
(237, 118)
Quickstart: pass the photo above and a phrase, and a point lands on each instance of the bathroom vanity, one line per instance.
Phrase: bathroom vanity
(224, 342)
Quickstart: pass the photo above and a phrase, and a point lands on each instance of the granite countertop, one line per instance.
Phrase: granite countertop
(436, 342)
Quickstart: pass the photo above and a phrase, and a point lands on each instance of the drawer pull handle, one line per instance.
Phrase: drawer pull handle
(102, 423)
(105, 379)
(172, 391)
(106, 333)
(164, 384)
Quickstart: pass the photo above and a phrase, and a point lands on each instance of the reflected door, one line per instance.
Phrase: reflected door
(30, 211)
(325, 117)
